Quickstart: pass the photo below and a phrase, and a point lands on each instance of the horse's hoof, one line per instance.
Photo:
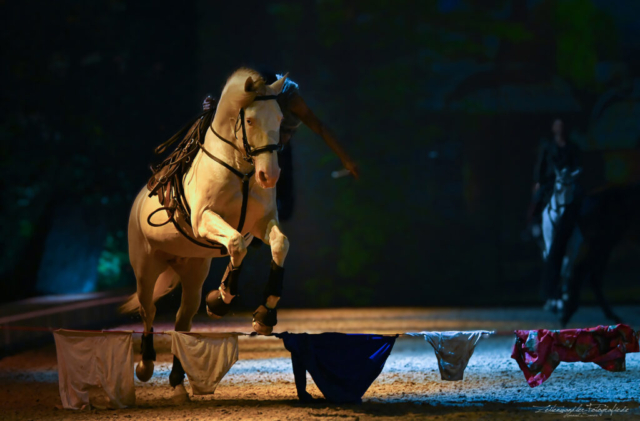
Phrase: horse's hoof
(144, 370)
(180, 395)
(262, 329)
(264, 319)
(551, 306)
(211, 315)
(216, 307)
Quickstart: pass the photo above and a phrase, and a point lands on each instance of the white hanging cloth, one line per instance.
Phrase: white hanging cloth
(90, 359)
(205, 357)
(453, 350)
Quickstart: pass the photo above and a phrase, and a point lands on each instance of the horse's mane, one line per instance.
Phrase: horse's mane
(237, 80)
(244, 72)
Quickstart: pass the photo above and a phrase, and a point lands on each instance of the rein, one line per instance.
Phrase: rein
(179, 161)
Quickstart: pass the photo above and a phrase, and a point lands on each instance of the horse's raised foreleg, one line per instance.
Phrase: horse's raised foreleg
(265, 317)
(193, 273)
(213, 228)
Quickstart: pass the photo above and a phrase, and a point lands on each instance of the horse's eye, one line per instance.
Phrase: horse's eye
(249, 121)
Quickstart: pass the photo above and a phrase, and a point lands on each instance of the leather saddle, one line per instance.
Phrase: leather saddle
(167, 176)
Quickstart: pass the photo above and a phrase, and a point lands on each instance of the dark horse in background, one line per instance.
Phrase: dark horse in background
(606, 218)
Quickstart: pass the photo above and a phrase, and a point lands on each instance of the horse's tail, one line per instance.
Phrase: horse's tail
(167, 282)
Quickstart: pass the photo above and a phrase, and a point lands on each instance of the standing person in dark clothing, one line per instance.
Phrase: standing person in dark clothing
(295, 111)
(556, 155)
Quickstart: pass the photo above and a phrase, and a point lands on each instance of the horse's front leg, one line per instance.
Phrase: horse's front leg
(213, 228)
(265, 317)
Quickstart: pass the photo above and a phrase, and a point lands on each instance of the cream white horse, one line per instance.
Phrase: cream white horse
(162, 257)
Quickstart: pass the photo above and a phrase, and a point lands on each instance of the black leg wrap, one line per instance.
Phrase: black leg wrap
(231, 277)
(274, 284)
(177, 373)
(269, 316)
(215, 303)
(146, 345)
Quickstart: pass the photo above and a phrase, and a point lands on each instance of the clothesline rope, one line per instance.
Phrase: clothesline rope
(53, 329)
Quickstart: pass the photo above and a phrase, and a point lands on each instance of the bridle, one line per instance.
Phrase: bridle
(249, 151)
(195, 136)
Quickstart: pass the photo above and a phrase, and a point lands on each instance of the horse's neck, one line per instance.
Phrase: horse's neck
(207, 176)
(555, 209)
(225, 112)
(550, 216)
(566, 194)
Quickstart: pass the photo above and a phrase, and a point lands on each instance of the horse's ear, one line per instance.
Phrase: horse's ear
(576, 172)
(557, 172)
(248, 85)
(278, 85)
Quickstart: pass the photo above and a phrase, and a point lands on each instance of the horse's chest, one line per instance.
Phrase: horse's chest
(230, 205)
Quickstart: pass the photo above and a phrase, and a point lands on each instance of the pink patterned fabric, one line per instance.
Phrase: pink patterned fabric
(539, 352)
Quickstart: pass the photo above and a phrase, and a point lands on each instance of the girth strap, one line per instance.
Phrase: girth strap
(245, 178)
(180, 159)
(172, 219)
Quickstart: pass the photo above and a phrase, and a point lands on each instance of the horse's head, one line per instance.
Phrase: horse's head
(262, 123)
(565, 185)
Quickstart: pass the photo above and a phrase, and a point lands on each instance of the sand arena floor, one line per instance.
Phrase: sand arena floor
(261, 384)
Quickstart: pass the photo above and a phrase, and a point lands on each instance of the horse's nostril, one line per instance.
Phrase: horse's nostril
(263, 176)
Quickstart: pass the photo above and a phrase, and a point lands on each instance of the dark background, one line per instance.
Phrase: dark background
(442, 103)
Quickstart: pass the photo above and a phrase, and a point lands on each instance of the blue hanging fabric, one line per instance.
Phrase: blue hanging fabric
(343, 366)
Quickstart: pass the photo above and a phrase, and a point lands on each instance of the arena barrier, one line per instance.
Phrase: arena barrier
(74, 311)
(343, 366)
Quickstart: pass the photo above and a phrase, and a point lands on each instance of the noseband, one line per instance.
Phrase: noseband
(250, 151)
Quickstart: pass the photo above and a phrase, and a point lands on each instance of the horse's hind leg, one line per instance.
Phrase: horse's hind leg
(193, 273)
(582, 269)
(596, 282)
(147, 270)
